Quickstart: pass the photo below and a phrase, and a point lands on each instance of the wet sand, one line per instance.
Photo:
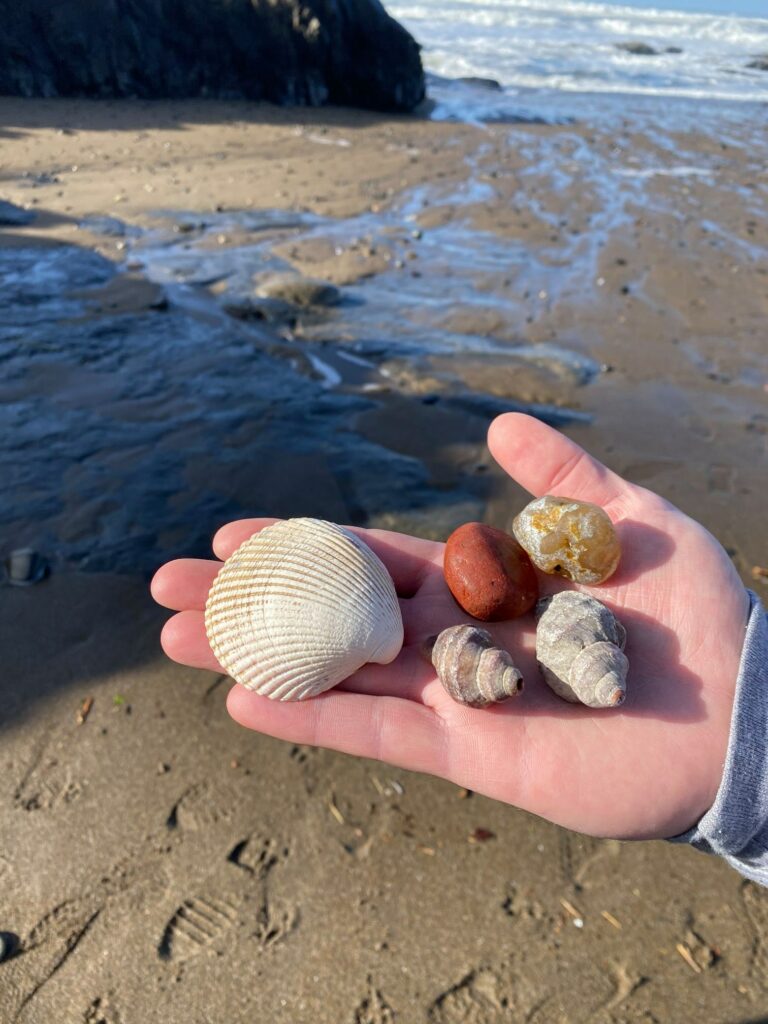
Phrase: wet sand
(156, 861)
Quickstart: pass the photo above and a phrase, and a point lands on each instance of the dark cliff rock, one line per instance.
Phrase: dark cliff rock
(307, 52)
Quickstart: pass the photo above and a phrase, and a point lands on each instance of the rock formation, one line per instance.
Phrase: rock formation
(307, 52)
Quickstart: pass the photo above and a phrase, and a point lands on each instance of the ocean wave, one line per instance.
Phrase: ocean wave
(575, 46)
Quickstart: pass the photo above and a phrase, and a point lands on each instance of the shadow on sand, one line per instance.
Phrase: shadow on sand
(19, 116)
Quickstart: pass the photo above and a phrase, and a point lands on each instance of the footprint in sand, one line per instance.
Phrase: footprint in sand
(580, 854)
(200, 807)
(258, 854)
(307, 759)
(204, 921)
(203, 924)
(374, 1009)
(43, 951)
(102, 1011)
(519, 904)
(756, 906)
(275, 921)
(479, 998)
(46, 783)
(199, 924)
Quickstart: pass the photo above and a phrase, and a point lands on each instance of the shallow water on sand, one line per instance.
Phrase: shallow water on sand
(165, 415)
(567, 272)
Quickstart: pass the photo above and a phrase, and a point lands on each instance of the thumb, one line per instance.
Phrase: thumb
(544, 461)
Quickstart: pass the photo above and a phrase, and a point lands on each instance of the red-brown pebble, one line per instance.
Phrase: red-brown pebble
(488, 573)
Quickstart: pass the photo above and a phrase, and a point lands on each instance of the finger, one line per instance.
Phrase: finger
(228, 538)
(403, 733)
(184, 583)
(183, 639)
(408, 559)
(410, 677)
(544, 461)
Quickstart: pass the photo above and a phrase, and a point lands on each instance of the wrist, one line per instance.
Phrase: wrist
(736, 813)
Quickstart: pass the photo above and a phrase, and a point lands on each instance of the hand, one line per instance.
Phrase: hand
(647, 769)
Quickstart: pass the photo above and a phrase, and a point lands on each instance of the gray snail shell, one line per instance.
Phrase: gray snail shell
(472, 667)
(580, 649)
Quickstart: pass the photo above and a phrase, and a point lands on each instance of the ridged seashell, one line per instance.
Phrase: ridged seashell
(472, 668)
(580, 649)
(299, 607)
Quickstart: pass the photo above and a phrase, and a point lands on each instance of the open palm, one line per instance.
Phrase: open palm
(647, 769)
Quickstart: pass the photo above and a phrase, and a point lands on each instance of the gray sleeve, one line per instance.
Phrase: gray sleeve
(736, 825)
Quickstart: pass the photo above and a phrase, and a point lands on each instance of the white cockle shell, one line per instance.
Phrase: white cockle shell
(299, 607)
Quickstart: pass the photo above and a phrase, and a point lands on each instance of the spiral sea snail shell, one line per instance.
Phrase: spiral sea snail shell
(580, 649)
(301, 606)
(472, 667)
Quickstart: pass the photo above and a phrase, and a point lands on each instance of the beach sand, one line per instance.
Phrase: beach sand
(159, 863)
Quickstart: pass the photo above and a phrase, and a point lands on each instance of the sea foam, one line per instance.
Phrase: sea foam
(574, 47)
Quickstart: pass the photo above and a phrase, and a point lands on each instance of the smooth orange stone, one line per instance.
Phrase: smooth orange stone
(488, 573)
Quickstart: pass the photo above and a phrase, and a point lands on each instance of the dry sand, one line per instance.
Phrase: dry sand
(157, 862)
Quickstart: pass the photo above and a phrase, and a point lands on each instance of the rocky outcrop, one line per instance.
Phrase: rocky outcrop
(491, 84)
(638, 49)
(307, 52)
(298, 290)
(644, 50)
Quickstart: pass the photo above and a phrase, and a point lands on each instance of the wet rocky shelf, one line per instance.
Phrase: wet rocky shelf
(168, 416)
